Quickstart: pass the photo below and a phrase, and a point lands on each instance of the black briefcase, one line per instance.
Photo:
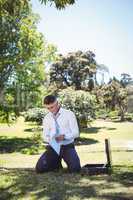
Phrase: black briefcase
(96, 169)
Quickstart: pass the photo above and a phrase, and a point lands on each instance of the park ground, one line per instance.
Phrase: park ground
(18, 180)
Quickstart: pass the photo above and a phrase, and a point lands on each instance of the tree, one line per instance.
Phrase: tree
(76, 69)
(125, 79)
(60, 4)
(22, 58)
(115, 96)
(14, 7)
(15, 48)
(11, 13)
(82, 103)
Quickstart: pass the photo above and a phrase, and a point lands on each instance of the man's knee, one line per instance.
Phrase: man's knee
(73, 161)
(49, 161)
(75, 168)
(40, 168)
(41, 165)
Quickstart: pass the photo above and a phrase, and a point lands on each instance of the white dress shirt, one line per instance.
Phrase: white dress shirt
(67, 126)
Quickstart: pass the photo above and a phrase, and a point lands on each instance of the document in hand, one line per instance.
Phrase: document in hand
(55, 145)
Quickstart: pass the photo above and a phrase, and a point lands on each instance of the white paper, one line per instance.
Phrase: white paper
(55, 145)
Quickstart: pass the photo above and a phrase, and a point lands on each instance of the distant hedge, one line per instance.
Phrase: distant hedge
(82, 103)
(35, 115)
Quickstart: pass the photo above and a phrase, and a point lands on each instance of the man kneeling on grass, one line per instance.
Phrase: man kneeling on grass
(60, 128)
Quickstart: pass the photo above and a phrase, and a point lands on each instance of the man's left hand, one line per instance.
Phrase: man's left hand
(59, 138)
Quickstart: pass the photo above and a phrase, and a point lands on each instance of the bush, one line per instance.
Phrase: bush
(101, 113)
(7, 115)
(80, 102)
(35, 115)
(129, 116)
(36, 145)
(30, 151)
(113, 114)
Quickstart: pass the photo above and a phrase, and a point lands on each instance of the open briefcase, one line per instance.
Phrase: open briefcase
(96, 169)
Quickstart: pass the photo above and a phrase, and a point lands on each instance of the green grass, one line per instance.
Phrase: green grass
(27, 185)
(18, 179)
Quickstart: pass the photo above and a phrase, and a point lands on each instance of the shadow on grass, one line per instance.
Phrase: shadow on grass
(95, 129)
(53, 186)
(124, 174)
(85, 141)
(29, 130)
(14, 144)
(111, 129)
(120, 121)
(22, 183)
(91, 129)
(33, 129)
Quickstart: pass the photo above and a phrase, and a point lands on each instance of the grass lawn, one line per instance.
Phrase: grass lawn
(19, 181)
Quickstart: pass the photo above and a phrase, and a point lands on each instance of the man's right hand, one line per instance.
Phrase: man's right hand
(59, 138)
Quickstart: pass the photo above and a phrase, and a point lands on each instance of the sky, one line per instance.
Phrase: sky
(102, 26)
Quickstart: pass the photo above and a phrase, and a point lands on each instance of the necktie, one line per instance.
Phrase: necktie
(56, 145)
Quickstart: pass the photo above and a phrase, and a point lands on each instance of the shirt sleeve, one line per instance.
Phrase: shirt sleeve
(73, 127)
(46, 132)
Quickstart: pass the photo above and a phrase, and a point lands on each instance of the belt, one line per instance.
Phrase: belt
(67, 146)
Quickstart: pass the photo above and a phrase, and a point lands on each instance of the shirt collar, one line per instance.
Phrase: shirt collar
(58, 113)
(60, 110)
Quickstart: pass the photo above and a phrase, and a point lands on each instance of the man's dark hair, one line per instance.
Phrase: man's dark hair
(49, 99)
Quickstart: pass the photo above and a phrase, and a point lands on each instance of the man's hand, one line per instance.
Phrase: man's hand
(59, 138)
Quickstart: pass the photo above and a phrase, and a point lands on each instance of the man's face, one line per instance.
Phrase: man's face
(53, 107)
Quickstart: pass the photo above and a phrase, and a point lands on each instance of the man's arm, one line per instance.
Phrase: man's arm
(73, 130)
(73, 127)
(46, 135)
(60, 138)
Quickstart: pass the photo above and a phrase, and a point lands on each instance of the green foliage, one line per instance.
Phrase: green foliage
(80, 102)
(113, 114)
(23, 55)
(125, 79)
(14, 7)
(107, 114)
(129, 116)
(101, 113)
(35, 115)
(7, 115)
(114, 96)
(76, 69)
(35, 147)
(22, 48)
(60, 4)
(14, 48)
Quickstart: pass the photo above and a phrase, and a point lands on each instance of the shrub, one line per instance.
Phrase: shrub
(101, 113)
(35, 115)
(129, 116)
(113, 114)
(80, 102)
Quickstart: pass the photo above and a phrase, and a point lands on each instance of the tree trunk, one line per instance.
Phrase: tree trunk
(122, 114)
(1, 95)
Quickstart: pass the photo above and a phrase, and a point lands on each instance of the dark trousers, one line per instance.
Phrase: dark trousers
(50, 160)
